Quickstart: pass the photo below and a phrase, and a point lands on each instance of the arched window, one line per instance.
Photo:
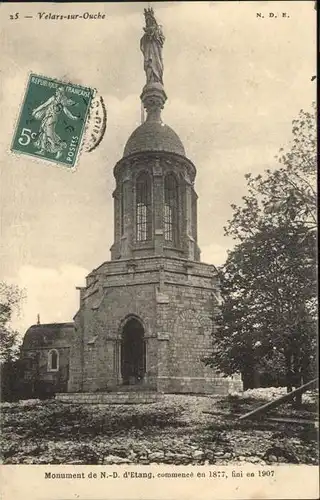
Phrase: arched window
(171, 209)
(53, 360)
(143, 207)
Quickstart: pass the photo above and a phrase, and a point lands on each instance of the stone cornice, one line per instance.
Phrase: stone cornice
(162, 260)
(132, 160)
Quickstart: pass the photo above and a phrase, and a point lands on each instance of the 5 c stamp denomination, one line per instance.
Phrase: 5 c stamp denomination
(52, 120)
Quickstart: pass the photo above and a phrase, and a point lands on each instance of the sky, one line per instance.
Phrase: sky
(234, 82)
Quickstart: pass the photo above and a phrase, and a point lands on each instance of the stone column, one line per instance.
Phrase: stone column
(189, 237)
(163, 336)
(158, 204)
(127, 207)
(115, 248)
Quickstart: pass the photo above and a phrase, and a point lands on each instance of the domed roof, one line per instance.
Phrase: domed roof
(154, 136)
(49, 334)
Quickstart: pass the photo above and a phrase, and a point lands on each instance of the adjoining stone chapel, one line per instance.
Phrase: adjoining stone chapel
(146, 317)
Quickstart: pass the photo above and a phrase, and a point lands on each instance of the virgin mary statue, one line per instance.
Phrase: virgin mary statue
(151, 46)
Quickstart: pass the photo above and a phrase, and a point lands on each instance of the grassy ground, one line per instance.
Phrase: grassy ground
(176, 430)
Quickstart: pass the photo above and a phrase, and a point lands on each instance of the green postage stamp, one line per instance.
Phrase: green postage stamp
(52, 120)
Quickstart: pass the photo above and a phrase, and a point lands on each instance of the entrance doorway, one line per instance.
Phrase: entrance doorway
(133, 353)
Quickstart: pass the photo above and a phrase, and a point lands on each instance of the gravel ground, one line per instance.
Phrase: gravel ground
(178, 430)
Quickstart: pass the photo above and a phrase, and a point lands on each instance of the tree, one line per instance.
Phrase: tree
(285, 196)
(269, 278)
(10, 301)
(268, 284)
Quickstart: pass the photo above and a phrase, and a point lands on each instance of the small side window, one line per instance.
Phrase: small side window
(53, 360)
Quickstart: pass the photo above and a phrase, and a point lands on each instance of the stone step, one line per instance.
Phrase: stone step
(137, 397)
(132, 388)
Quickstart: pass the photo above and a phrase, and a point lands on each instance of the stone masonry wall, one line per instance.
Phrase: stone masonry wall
(52, 381)
(185, 318)
(175, 300)
(100, 327)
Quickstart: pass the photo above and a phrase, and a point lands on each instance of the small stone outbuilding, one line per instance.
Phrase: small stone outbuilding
(45, 355)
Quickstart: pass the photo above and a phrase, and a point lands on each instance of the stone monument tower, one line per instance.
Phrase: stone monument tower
(146, 318)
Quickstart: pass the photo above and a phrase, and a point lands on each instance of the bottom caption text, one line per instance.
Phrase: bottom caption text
(127, 474)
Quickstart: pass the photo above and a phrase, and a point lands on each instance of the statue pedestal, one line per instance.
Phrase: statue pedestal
(153, 97)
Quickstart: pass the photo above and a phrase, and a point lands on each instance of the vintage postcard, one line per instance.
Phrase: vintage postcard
(158, 292)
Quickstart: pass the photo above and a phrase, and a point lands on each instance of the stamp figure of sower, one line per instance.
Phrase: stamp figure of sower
(48, 112)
